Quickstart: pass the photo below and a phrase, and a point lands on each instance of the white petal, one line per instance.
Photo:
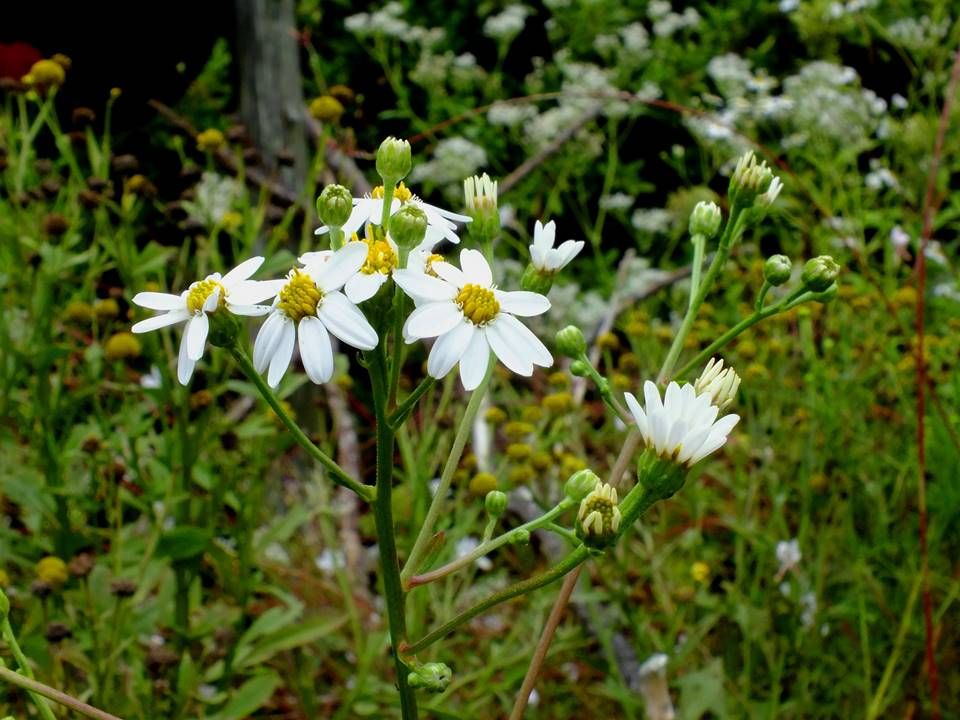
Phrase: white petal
(432, 319)
(524, 339)
(212, 302)
(159, 301)
(449, 348)
(315, 350)
(249, 310)
(651, 397)
(242, 272)
(185, 365)
(692, 443)
(638, 414)
(345, 263)
(345, 320)
(423, 287)
(676, 435)
(568, 250)
(473, 364)
(448, 214)
(282, 354)
(362, 286)
(195, 335)
(267, 339)
(504, 343)
(475, 267)
(449, 273)
(315, 257)
(158, 321)
(522, 302)
(253, 292)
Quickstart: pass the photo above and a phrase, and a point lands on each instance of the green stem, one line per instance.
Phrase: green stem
(453, 459)
(575, 558)
(37, 689)
(383, 516)
(491, 545)
(26, 674)
(403, 411)
(699, 246)
(337, 473)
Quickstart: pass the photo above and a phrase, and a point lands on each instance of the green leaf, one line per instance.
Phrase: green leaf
(291, 637)
(183, 543)
(702, 692)
(250, 697)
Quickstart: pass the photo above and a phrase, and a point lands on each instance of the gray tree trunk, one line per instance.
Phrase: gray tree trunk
(271, 87)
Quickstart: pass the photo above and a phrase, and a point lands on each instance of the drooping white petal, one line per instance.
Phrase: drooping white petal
(474, 363)
(363, 286)
(212, 302)
(254, 292)
(524, 339)
(159, 301)
(475, 268)
(195, 335)
(423, 287)
(432, 319)
(185, 365)
(334, 273)
(522, 302)
(316, 352)
(267, 340)
(241, 272)
(346, 321)
(158, 321)
(282, 354)
(638, 414)
(449, 349)
(504, 344)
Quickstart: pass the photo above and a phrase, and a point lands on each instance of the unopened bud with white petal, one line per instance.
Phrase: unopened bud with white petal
(705, 219)
(720, 383)
(749, 180)
(394, 160)
(599, 517)
(480, 198)
(773, 192)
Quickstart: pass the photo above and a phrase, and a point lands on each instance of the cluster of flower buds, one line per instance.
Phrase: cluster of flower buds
(753, 183)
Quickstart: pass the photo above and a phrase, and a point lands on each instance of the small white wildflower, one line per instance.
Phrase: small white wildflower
(789, 556)
(544, 256)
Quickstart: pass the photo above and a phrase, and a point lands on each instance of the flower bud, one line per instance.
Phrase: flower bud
(749, 180)
(536, 280)
(719, 383)
(580, 368)
(326, 108)
(210, 140)
(520, 536)
(480, 198)
(393, 160)
(408, 226)
(705, 219)
(570, 342)
(334, 206)
(599, 517)
(495, 503)
(776, 270)
(580, 484)
(434, 676)
(819, 273)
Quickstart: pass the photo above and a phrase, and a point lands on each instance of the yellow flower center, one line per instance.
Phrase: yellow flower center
(300, 296)
(428, 265)
(381, 257)
(200, 291)
(401, 192)
(479, 304)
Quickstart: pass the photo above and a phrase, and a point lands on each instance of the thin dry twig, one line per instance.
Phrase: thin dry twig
(930, 207)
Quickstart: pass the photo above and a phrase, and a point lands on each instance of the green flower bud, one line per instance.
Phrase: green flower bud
(571, 343)
(580, 484)
(819, 273)
(599, 517)
(480, 198)
(495, 503)
(536, 281)
(4, 605)
(749, 180)
(776, 270)
(393, 160)
(520, 536)
(224, 328)
(433, 676)
(705, 219)
(334, 206)
(580, 368)
(408, 226)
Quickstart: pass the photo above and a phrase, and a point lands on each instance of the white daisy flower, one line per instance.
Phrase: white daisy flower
(547, 258)
(307, 308)
(469, 316)
(381, 261)
(719, 383)
(235, 291)
(441, 224)
(684, 426)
